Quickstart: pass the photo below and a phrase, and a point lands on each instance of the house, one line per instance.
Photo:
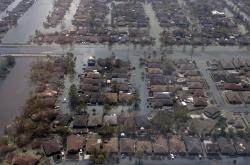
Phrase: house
(95, 117)
(187, 66)
(155, 71)
(111, 146)
(233, 97)
(197, 92)
(160, 146)
(89, 88)
(154, 65)
(226, 146)
(194, 79)
(239, 123)
(245, 97)
(24, 160)
(117, 87)
(232, 86)
(159, 103)
(158, 88)
(177, 145)
(195, 85)
(242, 146)
(93, 144)
(110, 120)
(93, 75)
(75, 143)
(193, 145)
(226, 77)
(125, 98)
(227, 65)
(200, 102)
(94, 82)
(52, 147)
(111, 98)
(212, 148)
(247, 118)
(212, 112)
(91, 61)
(230, 119)
(127, 145)
(238, 63)
(80, 121)
(195, 73)
(143, 146)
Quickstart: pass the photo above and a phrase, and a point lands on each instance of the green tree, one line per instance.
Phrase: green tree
(70, 64)
(107, 108)
(181, 114)
(74, 99)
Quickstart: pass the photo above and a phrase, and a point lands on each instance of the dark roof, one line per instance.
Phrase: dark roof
(52, 146)
(212, 112)
(157, 103)
(239, 123)
(226, 146)
(242, 146)
(193, 145)
(63, 120)
(247, 117)
(233, 97)
(200, 101)
(212, 148)
(80, 121)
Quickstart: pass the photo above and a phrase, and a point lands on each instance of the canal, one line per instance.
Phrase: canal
(14, 90)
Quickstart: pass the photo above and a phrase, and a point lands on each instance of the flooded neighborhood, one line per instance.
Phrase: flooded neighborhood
(129, 82)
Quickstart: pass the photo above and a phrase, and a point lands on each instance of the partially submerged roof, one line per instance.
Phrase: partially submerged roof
(160, 146)
(193, 145)
(127, 145)
(74, 143)
(226, 146)
(176, 145)
(52, 146)
(93, 143)
(144, 147)
(112, 145)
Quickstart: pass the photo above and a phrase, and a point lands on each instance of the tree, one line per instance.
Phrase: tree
(164, 121)
(181, 114)
(10, 61)
(136, 98)
(70, 64)
(74, 99)
(107, 108)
